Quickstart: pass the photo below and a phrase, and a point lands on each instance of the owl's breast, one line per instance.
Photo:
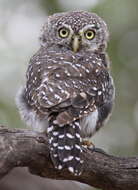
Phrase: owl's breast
(60, 66)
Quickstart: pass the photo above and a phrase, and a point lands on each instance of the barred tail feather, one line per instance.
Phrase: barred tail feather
(65, 146)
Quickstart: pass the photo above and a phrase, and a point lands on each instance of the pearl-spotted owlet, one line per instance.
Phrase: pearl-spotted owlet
(69, 91)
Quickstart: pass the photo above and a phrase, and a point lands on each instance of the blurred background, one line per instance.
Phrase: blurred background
(20, 24)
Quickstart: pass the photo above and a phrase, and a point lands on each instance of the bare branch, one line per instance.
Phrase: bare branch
(26, 148)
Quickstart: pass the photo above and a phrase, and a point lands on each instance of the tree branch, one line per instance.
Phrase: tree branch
(26, 148)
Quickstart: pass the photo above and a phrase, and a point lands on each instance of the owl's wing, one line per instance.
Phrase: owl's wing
(89, 97)
(61, 85)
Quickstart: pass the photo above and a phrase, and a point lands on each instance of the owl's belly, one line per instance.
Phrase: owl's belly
(88, 124)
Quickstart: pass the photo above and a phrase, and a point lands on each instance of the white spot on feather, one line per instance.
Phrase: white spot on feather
(77, 146)
(77, 158)
(94, 88)
(77, 135)
(65, 159)
(71, 169)
(55, 133)
(60, 167)
(69, 135)
(55, 144)
(99, 93)
(60, 147)
(50, 129)
(67, 147)
(55, 155)
(70, 158)
(61, 136)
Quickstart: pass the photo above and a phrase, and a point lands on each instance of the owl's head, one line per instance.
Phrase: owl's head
(75, 31)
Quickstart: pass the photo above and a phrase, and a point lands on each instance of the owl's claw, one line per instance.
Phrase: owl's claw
(90, 146)
(100, 151)
(87, 144)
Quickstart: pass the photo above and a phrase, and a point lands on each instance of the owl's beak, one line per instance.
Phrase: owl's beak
(75, 43)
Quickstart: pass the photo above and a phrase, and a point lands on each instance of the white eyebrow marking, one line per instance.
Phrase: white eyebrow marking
(85, 28)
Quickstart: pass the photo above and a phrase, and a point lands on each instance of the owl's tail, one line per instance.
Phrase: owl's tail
(65, 146)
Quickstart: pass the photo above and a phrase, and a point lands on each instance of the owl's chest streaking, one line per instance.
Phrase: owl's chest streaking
(53, 78)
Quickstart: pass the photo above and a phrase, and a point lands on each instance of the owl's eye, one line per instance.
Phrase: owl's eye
(89, 34)
(63, 32)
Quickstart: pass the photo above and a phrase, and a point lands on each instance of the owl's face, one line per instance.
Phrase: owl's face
(75, 31)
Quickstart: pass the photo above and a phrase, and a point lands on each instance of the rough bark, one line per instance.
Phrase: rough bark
(24, 148)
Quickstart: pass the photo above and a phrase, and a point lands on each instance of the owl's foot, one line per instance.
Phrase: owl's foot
(87, 144)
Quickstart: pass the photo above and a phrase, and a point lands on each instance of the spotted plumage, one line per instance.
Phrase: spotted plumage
(69, 91)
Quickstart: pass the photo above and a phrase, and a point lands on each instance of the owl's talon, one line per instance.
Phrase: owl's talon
(40, 139)
(87, 144)
(99, 150)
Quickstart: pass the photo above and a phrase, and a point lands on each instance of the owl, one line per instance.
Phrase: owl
(69, 91)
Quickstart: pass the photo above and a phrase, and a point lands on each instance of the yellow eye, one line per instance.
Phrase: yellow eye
(89, 34)
(63, 32)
